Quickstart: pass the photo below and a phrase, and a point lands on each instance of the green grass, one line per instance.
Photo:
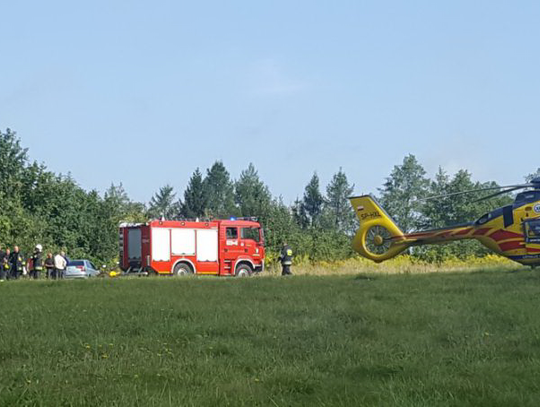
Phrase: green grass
(462, 339)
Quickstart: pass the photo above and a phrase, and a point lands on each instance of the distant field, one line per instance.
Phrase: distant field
(437, 339)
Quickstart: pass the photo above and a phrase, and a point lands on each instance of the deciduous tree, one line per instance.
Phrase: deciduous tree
(399, 195)
(163, 204)
(535, 174)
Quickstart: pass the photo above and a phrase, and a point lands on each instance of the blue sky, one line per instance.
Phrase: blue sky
(144, 92)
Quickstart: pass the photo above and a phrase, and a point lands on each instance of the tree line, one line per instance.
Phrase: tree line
(39, 206)
(317, 225)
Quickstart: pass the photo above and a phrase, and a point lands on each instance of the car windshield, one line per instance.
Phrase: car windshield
(76, 263)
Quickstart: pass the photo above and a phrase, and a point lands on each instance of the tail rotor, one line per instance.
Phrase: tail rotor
(379, 238)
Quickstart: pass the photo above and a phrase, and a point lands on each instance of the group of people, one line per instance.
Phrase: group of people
(13, 264)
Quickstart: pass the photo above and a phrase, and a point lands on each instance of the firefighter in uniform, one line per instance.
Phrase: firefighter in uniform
(285, 257)
(37, 262)
(2, 271)
(6, 265)
(17, 263)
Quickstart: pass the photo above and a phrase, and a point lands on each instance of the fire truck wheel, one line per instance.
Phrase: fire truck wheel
(243, 270)
(182, 269)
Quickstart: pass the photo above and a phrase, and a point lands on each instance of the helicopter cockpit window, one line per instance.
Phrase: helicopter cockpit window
(527, 197)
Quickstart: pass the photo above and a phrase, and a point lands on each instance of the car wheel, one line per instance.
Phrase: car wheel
(243, 270)
(182, 270)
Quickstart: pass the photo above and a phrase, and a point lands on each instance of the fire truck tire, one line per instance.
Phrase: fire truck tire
(243, 270)
(182, 269)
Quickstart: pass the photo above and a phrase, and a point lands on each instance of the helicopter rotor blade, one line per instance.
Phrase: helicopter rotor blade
(470, 191)
(498, 193)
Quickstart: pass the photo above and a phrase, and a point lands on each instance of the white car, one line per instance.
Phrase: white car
(80, 269)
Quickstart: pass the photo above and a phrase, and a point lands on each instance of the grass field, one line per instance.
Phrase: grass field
(437, 339)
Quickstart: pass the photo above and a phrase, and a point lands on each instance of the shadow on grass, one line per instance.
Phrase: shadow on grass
(366, 277)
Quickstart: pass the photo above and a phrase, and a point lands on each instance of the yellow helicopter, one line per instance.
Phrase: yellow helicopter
(512, 231)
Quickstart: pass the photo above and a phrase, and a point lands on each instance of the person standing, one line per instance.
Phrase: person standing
(49, 265)
(37, 262)
(17, 263)
(59, 265)
(285, 257)
(64, 255)
(6, 265)
(2, 271)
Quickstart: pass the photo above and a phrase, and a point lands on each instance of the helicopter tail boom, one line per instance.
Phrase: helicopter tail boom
(378, 238)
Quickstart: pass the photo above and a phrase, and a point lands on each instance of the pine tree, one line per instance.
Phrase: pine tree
(313, 201)
(195, 200)
(338, 210)
(219, 191)
(251, 195)
(299, 214)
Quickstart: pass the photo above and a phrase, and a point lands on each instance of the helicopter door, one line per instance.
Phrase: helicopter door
(532, 231)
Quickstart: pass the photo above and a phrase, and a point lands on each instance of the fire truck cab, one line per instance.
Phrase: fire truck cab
(232, 247)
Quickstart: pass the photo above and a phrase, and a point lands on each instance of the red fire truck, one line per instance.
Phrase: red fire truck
(232, 247)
